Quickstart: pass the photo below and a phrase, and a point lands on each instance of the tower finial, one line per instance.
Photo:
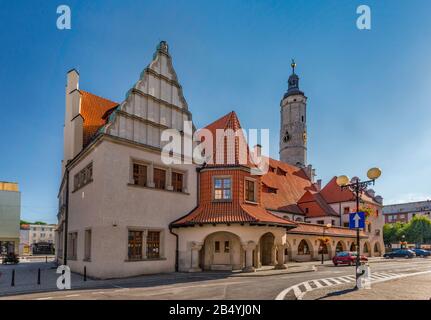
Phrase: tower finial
(293, 65)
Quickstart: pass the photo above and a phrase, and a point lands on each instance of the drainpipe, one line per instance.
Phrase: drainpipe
(66, 218)
(170, 225)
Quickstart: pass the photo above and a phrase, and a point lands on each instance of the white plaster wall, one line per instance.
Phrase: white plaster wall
(109, 201)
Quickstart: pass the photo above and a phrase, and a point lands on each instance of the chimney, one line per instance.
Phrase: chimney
(318, 184)
(73, 120)
(257, 150)
(311, 173)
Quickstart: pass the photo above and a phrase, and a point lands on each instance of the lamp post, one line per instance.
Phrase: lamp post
(323, 238)
(357, 187)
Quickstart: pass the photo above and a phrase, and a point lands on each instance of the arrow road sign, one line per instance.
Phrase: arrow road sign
(357, 220)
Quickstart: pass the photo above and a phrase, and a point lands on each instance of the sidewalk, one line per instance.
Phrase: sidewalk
(409, 288)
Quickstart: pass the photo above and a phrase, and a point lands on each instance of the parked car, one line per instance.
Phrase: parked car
(347, 257)
(400, 253)
(10, 258)
(422, 253)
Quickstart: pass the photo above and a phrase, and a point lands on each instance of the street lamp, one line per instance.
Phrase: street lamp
(357, 187)
(323, 238)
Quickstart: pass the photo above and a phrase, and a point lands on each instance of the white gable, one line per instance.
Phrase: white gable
(154, 103)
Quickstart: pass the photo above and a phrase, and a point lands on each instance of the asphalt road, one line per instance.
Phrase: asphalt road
(220, 286)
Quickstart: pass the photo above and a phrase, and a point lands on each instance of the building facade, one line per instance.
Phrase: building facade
(404, 212)
(10, 214)
(124, 212)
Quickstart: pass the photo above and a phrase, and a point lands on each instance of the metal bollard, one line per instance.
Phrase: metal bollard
(38, 276)
(13, 278)
(85, 273)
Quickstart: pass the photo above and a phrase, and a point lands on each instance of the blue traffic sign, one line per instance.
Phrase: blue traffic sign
(357, 220)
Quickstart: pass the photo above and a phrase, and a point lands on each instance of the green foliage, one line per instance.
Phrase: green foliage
(24, 222)
(418, 231)
(40, 223)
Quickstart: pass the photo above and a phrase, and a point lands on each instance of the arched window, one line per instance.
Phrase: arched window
(303, 248)
(339, 247)
(298, 219)
(353, 247)
(323, 248)
(369, 227)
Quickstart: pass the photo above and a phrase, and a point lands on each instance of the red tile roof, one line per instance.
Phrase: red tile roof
(309, 228)
(316, 205)
(332, 193)
(93, 109)
(290, 186)
(228, 122)
(231, 212)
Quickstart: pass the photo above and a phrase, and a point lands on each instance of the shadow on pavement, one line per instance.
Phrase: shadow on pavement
(337, 293)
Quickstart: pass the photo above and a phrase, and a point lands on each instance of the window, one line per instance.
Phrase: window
(73, 245)
(135, 245)
(369, 227)
(217, 246)
(87, 253)
(320, 222)
(153, 244)
(250, 190)
(159, 178)
(346, 224)
(333, 222)
(303, 248)
(177, 182)
(139, 174)
(226, 247)
(83, 177)
(306, 210)
(346, 210)
(222, 189)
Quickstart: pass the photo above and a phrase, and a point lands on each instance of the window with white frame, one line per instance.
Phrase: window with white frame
(222, 188)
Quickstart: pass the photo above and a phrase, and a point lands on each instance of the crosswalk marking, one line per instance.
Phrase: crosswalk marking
(307, 286)
(328, 282)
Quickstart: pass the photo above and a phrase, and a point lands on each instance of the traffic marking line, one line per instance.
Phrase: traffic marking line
(329, 282)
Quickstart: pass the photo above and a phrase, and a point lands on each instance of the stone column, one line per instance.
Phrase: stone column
(280, 257)
(248, 248)
(273, 254)
(195, 247)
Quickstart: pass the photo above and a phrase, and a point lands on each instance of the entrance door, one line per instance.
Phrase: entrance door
(221, 251)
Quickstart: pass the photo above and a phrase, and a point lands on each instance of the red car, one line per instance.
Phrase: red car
(346, 257)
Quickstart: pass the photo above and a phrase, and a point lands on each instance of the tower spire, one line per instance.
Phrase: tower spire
(293, 65)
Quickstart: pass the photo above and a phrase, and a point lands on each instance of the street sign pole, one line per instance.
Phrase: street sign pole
(358, 247)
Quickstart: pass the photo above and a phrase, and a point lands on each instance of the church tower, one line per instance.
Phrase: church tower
(293, 128)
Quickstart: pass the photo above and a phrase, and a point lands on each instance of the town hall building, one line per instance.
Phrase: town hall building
(125, 212)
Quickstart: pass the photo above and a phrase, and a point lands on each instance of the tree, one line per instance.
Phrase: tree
(393, 232)
(24, 222)
(40, 223)
(418, 230)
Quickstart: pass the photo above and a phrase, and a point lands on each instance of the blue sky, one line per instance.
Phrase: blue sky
(368, 91)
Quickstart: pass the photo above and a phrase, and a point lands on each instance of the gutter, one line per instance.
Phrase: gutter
(66, 217)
